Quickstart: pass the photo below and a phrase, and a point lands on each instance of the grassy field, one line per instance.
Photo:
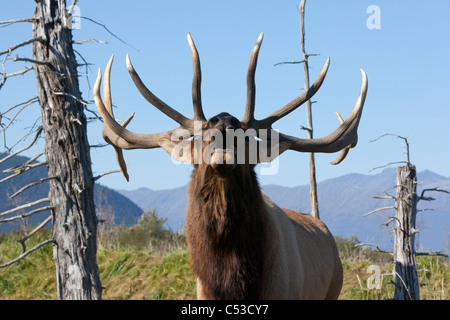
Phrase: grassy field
(133, 273)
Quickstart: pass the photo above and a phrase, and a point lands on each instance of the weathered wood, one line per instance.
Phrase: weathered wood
(67, 153)
(405, 274)
(309, 129)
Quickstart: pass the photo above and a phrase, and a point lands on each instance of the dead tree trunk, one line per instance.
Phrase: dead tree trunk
(67, 153)
(309, 125)
(407, 286)
(405, 273)
(309, 129)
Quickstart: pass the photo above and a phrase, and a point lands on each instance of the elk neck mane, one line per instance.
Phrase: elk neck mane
(226, 233)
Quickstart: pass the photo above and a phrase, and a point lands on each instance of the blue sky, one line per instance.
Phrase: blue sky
(406, 60)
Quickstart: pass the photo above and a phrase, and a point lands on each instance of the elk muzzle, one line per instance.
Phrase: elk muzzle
(221, 151)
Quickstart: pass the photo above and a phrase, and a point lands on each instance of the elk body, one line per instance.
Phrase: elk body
(242, 245)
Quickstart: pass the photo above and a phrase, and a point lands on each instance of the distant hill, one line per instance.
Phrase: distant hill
(342, 202)
(106, 199)
(170, 204)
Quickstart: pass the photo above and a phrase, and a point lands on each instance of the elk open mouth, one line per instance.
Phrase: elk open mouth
(223, 159)
(226, 155)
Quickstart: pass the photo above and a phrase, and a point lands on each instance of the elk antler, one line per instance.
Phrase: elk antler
(342, 138)
(267, 122)
(119, 137)
(196, 82)
(251, 86)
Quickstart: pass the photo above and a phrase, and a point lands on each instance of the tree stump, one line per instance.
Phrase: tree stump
(405, 274)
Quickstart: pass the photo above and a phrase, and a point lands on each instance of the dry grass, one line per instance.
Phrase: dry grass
(434, 280)
(129, 273)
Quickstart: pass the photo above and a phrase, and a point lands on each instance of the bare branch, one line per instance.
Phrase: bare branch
(387, 195)
(25, 206)
(109, 31)
(399, 137)
(422, 197)
(21, 216)
(34, 183)
(386, 165)
(422, 210)
(25, 104)
(32, 100)
(74, 3)
(73, 119)
(33, 129)
(24, 254)
(44, 63)
(432, 253)
(100, 145)
(10, 22)
(87, 67)
(25, 164)
(387, 134)
(89, 40)
(104, 174)
(305, 128)
(14, 47)
(379, 209)
(29, 235)
(372, 245)
(39, 131)
(22, 170)
(383, 197)
(289, 62)
(94, 113)
(390, 220)
(71, 96)
(17, 73)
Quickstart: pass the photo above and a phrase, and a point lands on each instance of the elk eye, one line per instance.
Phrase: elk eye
(235, 123)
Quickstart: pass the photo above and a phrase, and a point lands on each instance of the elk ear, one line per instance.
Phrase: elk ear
(179, 150)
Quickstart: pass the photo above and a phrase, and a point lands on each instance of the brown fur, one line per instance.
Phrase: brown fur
(243, 246)
(226, 234)
(319, 249)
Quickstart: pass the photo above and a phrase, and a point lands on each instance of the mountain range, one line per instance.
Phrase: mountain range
(107, 201)
(342, 203)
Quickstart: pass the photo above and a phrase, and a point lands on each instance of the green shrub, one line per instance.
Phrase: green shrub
(149, 233)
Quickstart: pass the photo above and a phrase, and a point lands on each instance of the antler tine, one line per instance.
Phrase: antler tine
(267, 122)
(196, 82)
(115, 134)
(297, 102)
(344, 137)
(343, 152)
(107, 87)
(154, 100)
(251, 86)
(108, 106)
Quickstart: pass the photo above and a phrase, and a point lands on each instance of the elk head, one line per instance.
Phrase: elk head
(223, 141)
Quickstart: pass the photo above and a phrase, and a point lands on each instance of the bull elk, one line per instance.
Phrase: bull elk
(242, 245)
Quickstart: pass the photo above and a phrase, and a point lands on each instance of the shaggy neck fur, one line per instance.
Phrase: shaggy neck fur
(226, 233)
